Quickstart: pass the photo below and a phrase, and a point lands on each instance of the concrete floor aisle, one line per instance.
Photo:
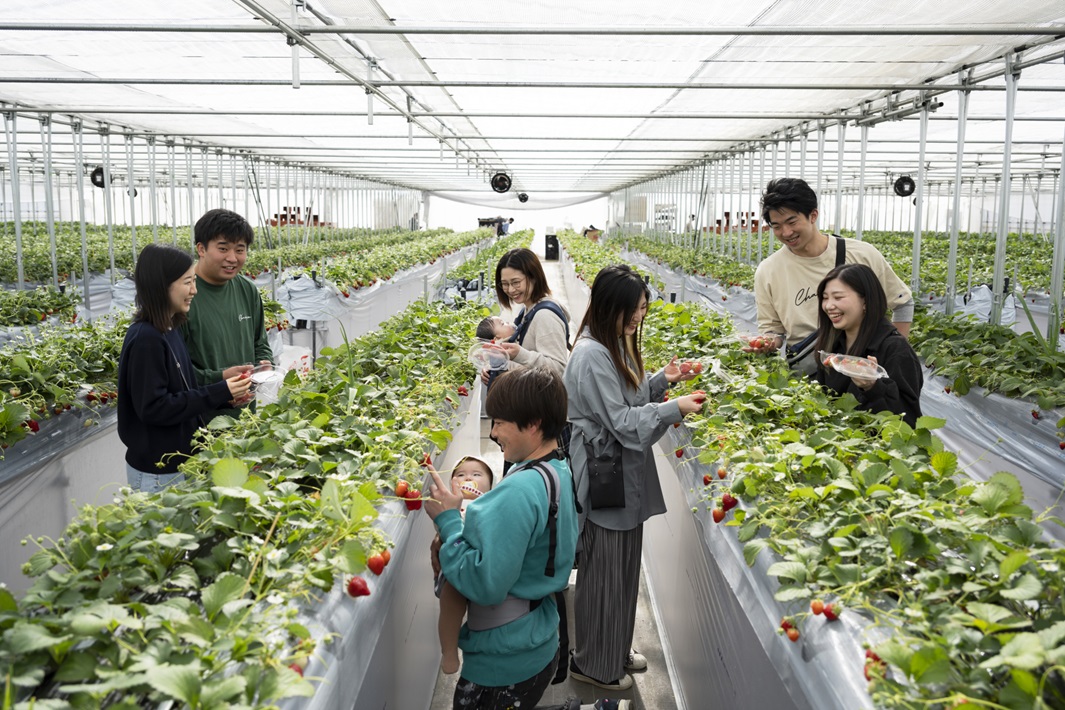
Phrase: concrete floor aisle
(653, 688)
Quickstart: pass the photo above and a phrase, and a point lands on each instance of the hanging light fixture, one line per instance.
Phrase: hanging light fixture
(500, 182)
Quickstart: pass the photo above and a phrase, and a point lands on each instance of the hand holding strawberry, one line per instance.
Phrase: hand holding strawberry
(768, 343)
(691, 403)
(680, 372)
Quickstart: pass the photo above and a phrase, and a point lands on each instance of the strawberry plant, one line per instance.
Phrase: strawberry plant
(874, 514)
(30, 307)
(278, 509)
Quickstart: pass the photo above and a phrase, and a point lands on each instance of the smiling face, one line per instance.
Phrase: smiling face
(220, 260)
(181, 292)
(798, 232)
(515, 284)
(472, 471)
(629, 329)
(516, 444)
(844, 307)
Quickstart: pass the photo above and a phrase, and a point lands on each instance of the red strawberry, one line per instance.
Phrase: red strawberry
(376, 563)
(679, 453)
(817, 606)
(34, 426)
(427, 460)
(785, 624)
(676, 425)
(832, 611)
(414, 499)
(401, 488)
(463, 392)
(90, 397)
(1061, 445)
(719, 514)
(721, 472)
(386, 555)
(357, 587)
(295, 668)
(699, 396)
(1035, 414)
(665, 397)
(697, 367)
(946, 389)
(793, 634)
(707, 478)
(728, 502)
(685, 368)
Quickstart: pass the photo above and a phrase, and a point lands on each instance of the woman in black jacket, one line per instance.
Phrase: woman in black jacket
(159, 406)
(853, 321)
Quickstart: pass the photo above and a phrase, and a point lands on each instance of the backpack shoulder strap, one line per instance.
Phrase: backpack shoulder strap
(523, 323)
(841, 250)
(553, 485)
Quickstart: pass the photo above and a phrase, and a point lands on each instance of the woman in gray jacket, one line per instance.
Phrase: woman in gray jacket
(615, 408)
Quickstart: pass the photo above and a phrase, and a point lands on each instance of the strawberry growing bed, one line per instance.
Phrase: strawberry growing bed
(192, 595)
(862, 512)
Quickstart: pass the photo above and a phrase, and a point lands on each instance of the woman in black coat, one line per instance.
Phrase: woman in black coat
(853, 321)
(159, 404)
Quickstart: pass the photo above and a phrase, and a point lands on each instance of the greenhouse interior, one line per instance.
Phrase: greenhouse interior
(398, 172)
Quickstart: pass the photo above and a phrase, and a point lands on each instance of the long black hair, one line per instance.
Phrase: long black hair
(865, 283)
(158, 266)
(616, 295)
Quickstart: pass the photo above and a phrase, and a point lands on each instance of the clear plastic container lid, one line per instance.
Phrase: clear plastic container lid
(852, 365)
(266, 383)
(488, 355)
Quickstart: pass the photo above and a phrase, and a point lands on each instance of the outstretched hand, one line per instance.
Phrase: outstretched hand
(442, 497)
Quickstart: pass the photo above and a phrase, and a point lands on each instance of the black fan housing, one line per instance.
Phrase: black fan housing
(905, 186)
(500, 182)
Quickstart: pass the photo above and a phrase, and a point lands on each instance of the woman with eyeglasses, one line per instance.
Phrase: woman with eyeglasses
(541, 336)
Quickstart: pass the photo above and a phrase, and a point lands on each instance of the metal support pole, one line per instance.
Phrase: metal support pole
(1057, 271)
(859, 218)
(915, 277)
(221, 179)
(952, 254)
(788, 144)
(189, 196)
(820, 154)
(173, 189)
(153, 197)
(131, 191)
(841, 130)
(49, 207)
(105, 140)
(761, 181)
(998, 293)
(11, 135)
(79, 176)
(802, 153)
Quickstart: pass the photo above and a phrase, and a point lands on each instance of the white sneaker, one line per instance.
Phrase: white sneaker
(636, 661)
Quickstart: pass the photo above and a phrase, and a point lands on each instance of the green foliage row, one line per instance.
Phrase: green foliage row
(192, 595)
(866, 513)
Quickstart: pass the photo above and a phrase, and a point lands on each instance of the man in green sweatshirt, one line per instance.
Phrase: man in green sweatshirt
(226, 329)
(505, 558)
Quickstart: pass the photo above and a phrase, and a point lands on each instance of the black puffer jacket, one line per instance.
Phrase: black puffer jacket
(899, 392)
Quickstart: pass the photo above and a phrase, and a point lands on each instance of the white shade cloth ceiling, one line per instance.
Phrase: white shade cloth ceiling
(588, 151)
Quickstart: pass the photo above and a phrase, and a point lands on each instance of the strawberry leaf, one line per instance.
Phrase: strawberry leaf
(181, 682)
(229, 473)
